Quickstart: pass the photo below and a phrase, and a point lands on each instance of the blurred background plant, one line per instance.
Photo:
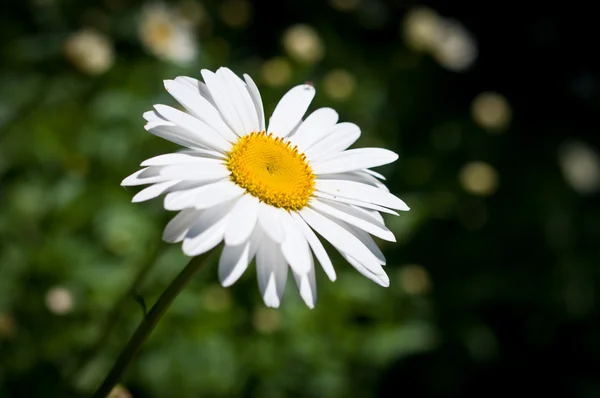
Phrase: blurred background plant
(494, 112)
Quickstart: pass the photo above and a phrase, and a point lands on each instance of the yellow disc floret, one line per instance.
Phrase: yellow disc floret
(270, 169)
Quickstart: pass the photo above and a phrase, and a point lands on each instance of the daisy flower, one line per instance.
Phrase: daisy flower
(266, 190)
(90, 51)
(167, 35)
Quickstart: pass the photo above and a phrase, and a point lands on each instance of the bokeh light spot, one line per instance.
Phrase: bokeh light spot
(479, 178)
(491, 111)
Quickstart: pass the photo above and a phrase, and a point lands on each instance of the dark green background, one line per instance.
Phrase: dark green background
(489, 296)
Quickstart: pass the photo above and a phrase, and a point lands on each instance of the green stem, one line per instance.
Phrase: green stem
(148, 324)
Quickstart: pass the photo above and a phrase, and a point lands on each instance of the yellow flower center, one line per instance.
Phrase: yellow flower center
(272, 170)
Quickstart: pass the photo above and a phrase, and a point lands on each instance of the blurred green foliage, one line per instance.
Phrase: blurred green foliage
(503, 230)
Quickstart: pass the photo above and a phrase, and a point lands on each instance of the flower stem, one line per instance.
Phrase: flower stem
(147, 325)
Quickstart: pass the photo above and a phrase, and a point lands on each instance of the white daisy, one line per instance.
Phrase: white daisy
(167, 35)
(264, 190)
(90, 51)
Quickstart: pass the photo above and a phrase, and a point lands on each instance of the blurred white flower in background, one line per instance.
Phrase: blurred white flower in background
(59, 300)
(167, 34)
(421, 28)
(491, 111)
(119, 392)
(276, 71)
(447, 40)
(580, 166)
(456, 49)
(479, 178)
(339, 84)
(303, 44)
(90, 51)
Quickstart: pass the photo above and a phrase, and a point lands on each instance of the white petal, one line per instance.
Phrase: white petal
(281, 271)
(316, 125)
(222, 96)
(371, 213)
(179, 225)
(268, 287)
(207, 231)
(340, 238)
(354, 159)
(199, 107)
(142, 177)
(187, 185)
(360, 203)
(233, 263)
(354, 217)
(240, 97)
(338, 139)
(271, 271)
(205, 92)
(201, 132)
(198, 86)
(362, 192)
(316, 246)
(307, 286)
(269, 218)
(358, 176)
(153, 191)
(242, 221)
(295, 247)
(367, 179)
(290, 109)
(204, 196)
(155, 118)
(374, 174)
(189, 81)
(205, 241)
(366, 239)
(381, 279)
(256, 239)
(235, 259)
(255, 94)
(203, 153)
(180, 158)
(205, 172)
(223, 193)
(172, 132)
